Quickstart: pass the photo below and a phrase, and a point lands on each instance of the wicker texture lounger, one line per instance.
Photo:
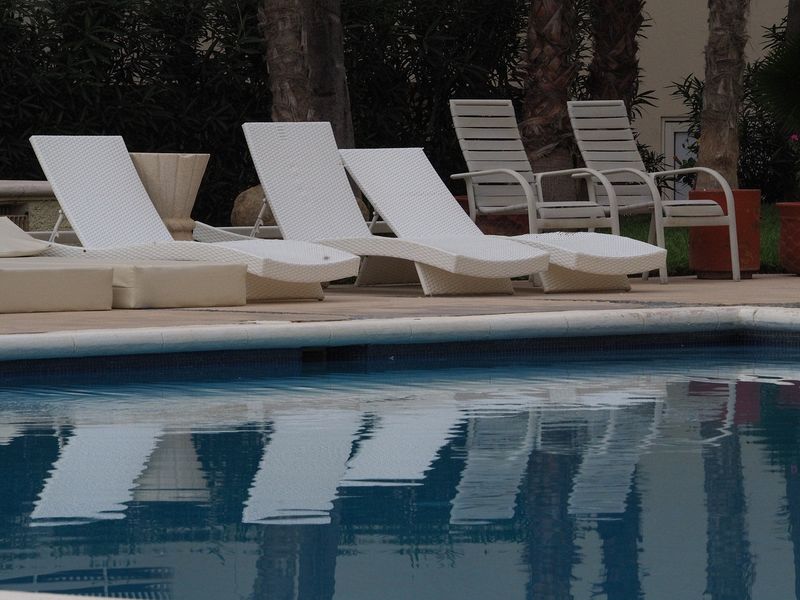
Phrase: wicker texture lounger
(405, 189)
(101, 194)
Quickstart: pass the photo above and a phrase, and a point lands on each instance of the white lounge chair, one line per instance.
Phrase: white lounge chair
(405, 189)
(607, 144)
(307, 188)
(101, 194)
(500, 178)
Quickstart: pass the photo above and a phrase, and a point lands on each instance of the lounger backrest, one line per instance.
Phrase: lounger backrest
(405, 189)
(304, 181)
(606, 141)
(99, 190)
(489, 138)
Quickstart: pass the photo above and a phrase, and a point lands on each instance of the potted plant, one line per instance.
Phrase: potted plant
(709, 248)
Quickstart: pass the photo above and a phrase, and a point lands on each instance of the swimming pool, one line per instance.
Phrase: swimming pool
(640, 475)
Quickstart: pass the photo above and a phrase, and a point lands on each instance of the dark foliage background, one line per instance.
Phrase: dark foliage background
(407, 58)
(167, 75)
(183, 75)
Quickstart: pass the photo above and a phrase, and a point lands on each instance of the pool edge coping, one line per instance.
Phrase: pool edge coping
(265, 335)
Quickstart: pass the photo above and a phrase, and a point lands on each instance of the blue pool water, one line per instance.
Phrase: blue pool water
(652, 475)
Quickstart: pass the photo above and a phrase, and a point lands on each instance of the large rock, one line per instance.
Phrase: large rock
(246, 208)
(248, 204)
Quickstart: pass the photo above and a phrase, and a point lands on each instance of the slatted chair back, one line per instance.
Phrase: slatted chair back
(489, 138)
(605, 140)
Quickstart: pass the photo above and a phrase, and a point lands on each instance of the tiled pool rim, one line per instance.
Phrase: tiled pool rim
(748, 322)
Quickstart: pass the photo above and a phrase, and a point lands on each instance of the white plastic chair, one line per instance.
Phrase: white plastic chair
(500, 178)
(605, 139)
(307, 188)
(99, 190)
(405, 189)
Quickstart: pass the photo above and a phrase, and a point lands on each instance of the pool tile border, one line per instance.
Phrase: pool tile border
(762, 322)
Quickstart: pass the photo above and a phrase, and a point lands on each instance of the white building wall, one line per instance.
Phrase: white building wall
(674, 47)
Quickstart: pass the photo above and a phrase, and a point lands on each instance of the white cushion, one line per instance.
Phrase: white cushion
(570, 210)
(692, 208)
(15, 242)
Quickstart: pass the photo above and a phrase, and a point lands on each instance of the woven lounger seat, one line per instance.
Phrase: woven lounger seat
(306, 186)
(407, 192)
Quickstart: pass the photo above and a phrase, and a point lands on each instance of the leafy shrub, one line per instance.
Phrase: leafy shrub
(406, 59)
(167, 75)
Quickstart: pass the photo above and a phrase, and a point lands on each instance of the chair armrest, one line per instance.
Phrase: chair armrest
(530, 197)
(585, 172)
(723, 183)
(526, 187)
(647, 178)
(510, 172)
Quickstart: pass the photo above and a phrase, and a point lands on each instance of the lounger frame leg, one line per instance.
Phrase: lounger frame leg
(559, 279)
(262, 289)
(436, 282)
(384, 270)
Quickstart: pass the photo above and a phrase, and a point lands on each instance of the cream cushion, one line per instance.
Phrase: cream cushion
(26, 286)
(179, 284)
(15, 242)
(153, 284)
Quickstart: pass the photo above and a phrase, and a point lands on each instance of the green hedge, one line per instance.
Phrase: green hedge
(167, 75)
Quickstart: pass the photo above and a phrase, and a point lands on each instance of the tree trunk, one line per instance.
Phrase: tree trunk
(551, 69)
(614, 70)
(305, 59)
(722, 92)
(793, 20)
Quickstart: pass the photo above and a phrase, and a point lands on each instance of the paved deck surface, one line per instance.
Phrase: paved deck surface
(348, 303)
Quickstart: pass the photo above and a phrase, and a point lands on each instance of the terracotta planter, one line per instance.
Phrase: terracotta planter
(789, 245)
(172, 180)
(498, 224)
(709, 247)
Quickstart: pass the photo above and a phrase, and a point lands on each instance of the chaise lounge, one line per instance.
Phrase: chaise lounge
(306, 186)
(405, 189)
(104, 200)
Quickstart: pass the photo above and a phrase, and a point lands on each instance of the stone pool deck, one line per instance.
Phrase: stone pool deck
(399, 314)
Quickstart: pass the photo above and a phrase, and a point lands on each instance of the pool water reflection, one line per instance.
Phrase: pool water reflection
(632, 477)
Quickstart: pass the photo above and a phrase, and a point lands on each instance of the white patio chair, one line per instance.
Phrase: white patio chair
(607, 144)
(500, 178)
(405, 189)
(307, 188)
(97, 186)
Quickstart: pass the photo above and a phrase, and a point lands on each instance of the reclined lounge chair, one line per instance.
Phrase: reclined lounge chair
(307, 188)
(405, 189)
(104, 200)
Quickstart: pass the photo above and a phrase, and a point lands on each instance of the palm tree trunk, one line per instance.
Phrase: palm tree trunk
(305, 59)
(551, 69)
(614, 70)
(722, 92)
